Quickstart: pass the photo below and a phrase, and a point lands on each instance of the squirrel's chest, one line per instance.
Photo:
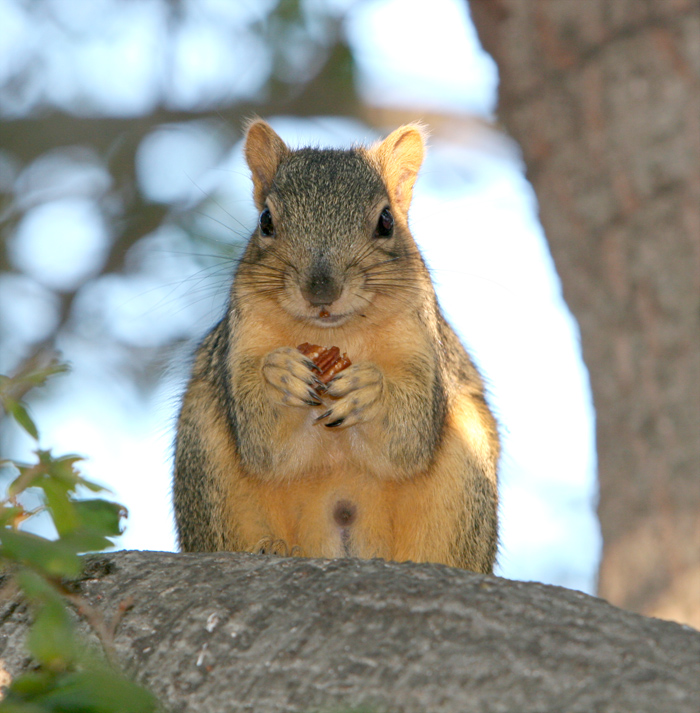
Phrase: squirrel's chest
(307, 447)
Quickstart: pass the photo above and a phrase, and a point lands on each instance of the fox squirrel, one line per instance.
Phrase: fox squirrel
(396, 456)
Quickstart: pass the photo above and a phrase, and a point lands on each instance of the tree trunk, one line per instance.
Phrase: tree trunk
(234, 632)
(603, 97)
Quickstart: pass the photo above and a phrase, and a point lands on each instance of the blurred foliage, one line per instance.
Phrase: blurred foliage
(68, 675)
(65, 136)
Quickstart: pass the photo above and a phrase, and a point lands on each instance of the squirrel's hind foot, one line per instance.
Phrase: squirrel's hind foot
(278, 547)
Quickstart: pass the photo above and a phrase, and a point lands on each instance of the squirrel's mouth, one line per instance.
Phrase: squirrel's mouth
(324, 317)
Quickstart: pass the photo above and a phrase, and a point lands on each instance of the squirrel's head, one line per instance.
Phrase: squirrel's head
(332, 238)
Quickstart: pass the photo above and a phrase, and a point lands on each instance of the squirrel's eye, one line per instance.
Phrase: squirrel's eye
(385, 224)
(266, 227)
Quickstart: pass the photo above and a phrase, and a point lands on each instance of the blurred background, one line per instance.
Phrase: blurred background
(125, 203)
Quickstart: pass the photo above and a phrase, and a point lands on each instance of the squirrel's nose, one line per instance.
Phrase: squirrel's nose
(321, 289)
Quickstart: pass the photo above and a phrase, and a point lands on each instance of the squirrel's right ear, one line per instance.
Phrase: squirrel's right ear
(264, 150)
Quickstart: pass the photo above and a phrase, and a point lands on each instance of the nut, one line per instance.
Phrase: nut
(328, 360)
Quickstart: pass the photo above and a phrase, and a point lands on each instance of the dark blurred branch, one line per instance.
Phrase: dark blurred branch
(331, 91)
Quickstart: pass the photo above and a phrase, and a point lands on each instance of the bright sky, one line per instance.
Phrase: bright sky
(474, 216)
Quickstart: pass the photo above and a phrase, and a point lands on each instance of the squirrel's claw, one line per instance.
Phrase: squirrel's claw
(357, 392)
(271, 546)
(277, 546)
(311, 365)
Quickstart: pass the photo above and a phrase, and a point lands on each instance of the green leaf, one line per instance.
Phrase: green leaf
(98, 520)
(100, 516)
(62, 468)
(19, 413)
(26, 688)
(51, 638)
(85, 525)
(8, 514)
(10, 706)
(98, 691)
(81, 542)
(61, 505)
(39, 376)
(95, 487)
(52, 557)
(69, 681)
(28, 474)
(36, 588)
(94, 690)
(32, 683)
(31, 376)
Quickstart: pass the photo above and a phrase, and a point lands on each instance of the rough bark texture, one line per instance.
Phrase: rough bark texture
(231, 632)
(603, 96)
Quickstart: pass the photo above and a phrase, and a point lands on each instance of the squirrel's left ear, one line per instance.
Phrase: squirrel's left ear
(400, 156)
(264, 150)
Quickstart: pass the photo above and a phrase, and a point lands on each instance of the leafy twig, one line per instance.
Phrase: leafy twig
(40, 567)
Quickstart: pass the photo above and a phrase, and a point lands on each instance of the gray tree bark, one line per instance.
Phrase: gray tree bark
(603, 96)
(229, 632)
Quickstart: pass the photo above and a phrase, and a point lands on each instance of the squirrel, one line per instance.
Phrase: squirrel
(396, 457)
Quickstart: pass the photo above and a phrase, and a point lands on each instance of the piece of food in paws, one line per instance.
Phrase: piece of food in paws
(342, 362)
(329, 361)
(313, 351)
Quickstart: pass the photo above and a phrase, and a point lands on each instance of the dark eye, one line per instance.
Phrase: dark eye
(385, 224)
(266, 227)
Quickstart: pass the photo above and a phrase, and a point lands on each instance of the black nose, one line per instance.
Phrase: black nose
(320, 288)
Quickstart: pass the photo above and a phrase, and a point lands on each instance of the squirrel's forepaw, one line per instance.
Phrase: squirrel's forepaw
(358, 390)
(292, 377)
